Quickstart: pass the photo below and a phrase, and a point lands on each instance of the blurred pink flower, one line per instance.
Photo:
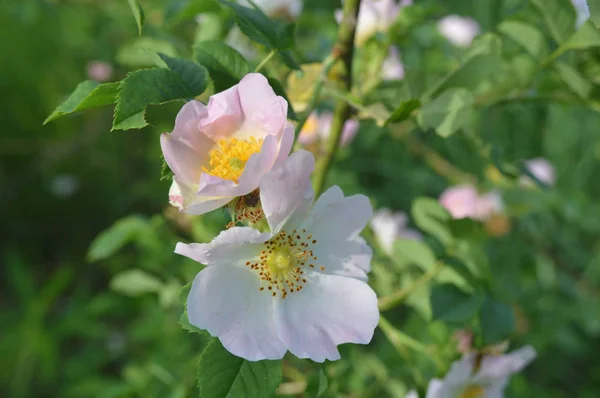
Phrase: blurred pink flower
(542, 169)
(318, 127)
(289, 9)
(460, 31)
(393, 69)
(221, 151)
(464, 201)
(99, 71)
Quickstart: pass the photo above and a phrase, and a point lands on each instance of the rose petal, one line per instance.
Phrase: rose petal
(225, 115)
(233, 246)
(328, 311)
(282, 189)
(226, 301)
(264, 111)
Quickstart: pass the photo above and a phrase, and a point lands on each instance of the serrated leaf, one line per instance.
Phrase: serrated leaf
(88, 94)
(138, 14)
(559, 16)
(221, 374)
(194, 76)
(414, 252)
(527, 36)
(404, 111)
(452, 305)
(448, 113)
(574, 80)
(135, 282)
(497, 321)
(432, 218)
(273, 34)
(118, 235)
(225, 65)
(153, 87)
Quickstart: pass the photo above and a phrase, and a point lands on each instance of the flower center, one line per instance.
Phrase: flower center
(228, 158)
(282, 262)
(473, 392)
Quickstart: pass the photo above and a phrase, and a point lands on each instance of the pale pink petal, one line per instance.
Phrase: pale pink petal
(460, 31)
(494, 367)
(282, 189)
(232, 246)
(460, 201)
(435, 389)
(188, 121)
(542, 169)
(183, 196)
(264, 111)
(225, 115)
(487, 205)
(328, 311)
(226, 301)
(349, 131)
(285, 143)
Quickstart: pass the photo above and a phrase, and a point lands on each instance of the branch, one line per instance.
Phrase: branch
(344, 51)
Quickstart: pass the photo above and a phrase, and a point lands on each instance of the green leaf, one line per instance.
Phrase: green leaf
(559, 16)
(317, 385)
(586, 37)
(193, 76)
(114, 238)
(188, 9)
(225, 66)
(153, 87)
(497, 321)
(404, 111)
(273, 34)
(88, 94)
(574, 80)
(448, 113)
(221, 374)
(527, 36)
(135, 282)
(279, 90)
(432, 218)
(594, 6)
(138, 14)
(452, 305)
(141, 52)
(413, 252)
(184, 320)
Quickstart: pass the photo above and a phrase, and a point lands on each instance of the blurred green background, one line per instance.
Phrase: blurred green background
(68, 331)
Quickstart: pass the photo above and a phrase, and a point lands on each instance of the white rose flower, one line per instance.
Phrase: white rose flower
(460, 31)
(301, 287)
(389, 226)
(487, 378)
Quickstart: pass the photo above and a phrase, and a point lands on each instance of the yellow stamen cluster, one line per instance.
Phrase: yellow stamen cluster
(228, 158)
(281, 262)
(473, 392)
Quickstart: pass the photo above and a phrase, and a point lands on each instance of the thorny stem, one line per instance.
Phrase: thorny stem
(344, 50)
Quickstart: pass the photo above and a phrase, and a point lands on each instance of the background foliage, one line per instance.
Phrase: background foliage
(90, 285)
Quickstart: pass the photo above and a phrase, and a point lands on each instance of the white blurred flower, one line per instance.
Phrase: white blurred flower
(99, 71)
(464, 201)
(541, 169)
(374, 16)
(289, 9)
(460, 31)
(389, 226)
(236, 40)
(392, 68)
(64, 185)
(467, 380)
(302, 286)
(583, 11)
(412, 394)
(318, 127)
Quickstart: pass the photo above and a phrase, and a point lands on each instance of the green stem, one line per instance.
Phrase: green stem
(385, 303)
(400, 340)
(344, 50)
(264, 61)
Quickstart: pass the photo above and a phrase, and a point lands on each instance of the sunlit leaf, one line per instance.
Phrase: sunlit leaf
(448, 113)
(88, 94)
(138, 14)
(527, 36)
(135, 282)
(559, 16)
(117, 236)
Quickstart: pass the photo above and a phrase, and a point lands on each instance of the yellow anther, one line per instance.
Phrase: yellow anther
(228, 158)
